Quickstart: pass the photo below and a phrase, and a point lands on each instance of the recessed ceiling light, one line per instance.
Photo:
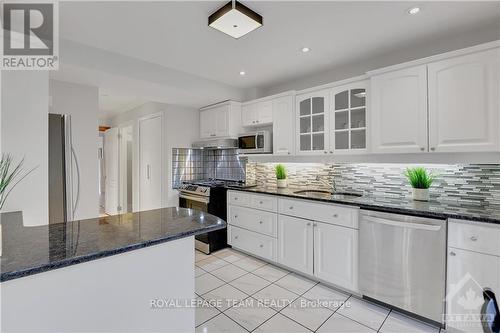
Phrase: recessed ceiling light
(306, 49)
(414, 10)
(235, 19)
(242, 73)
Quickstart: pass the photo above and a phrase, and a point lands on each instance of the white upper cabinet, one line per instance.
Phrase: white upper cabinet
(464, 103)
(257, 114)
(312, 112)
(348, 118)
(284, 125)
(221, 120)
(399, 111)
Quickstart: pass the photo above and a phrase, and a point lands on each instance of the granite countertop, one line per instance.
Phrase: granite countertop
(31, 250)
(397, 204)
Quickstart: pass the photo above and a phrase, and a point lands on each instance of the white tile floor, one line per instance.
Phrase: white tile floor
(245, 294)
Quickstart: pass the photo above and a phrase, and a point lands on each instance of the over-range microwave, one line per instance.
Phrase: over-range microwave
(255, 142)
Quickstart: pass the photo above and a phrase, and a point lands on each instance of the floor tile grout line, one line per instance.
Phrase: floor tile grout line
(340, 314)
(383, 322)
(235, 322)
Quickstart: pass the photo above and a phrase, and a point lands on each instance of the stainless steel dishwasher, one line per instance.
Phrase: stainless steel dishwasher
(403, 262)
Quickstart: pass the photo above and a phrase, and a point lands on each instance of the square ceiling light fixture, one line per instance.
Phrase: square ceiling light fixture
(235, 19)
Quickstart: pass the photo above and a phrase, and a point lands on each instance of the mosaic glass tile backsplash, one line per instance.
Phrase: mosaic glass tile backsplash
(477, 184)
(196, 164)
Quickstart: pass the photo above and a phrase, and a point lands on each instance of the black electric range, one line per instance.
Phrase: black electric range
(209, 195)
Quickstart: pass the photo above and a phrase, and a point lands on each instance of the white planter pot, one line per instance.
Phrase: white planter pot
(281, 183)
(420, 194)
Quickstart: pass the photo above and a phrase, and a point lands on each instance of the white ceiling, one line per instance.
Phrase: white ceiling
(176, 35)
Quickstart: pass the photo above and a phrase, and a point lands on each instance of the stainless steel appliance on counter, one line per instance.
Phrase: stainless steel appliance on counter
(402, 262)
(255, 143)
(64, 173)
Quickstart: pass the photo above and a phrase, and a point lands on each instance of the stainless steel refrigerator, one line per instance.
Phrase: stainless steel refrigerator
(64, 173)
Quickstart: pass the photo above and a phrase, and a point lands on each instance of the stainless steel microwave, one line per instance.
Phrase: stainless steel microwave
(255, 142)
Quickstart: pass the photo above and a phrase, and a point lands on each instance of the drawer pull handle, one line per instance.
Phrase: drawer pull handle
(260, 222)
(335, 215)
(291, 207)
(452, 254)
(261, 245)
(235, 237)
(315, 224)
(308, 223)
(473, 238)
(261, 202)
(235, 198)
(235, 216)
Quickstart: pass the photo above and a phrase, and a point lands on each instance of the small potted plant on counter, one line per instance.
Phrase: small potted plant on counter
(280, 175)
(420, 180)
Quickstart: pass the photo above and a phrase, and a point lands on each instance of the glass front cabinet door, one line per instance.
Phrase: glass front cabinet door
(348, 118)
(312, 122)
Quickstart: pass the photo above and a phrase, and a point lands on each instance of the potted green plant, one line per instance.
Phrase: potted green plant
(280, 175)
(420, 180)
(10, 176)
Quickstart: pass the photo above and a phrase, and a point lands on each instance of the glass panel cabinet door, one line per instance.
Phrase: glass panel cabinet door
(348, 128)
(312, 122)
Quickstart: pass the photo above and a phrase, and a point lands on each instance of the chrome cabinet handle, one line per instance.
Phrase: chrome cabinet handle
(452, 254)
(433, 148)
(235, 216)
(335, 215)
(422, 148)
(325, 152)
(291, 207)
(308, 223)
(261, 202)
(148, 172)
(235, 198)
(260, 222)
(235, 237)
(331, 152)
(261, 245)
(473, 238)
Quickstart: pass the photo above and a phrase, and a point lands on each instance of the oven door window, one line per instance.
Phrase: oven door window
(247, 142)
(192, 204)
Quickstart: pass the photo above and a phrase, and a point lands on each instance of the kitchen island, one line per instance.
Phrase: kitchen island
(104, 274)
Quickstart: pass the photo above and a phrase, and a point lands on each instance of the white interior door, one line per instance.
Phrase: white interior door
(150, 163)
(111, 163)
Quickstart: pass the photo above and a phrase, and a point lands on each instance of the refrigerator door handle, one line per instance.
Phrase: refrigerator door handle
(77, 167)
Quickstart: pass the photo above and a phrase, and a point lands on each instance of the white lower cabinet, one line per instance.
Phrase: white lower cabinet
(252, 242)
(316, 239)
(469, 272)
(295, 243)
(336, 255)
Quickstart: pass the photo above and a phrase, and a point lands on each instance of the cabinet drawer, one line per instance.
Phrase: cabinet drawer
(327, 213)
(238, 198)
(251, 242)
(479, 237)
(264, 202)
(253, 219)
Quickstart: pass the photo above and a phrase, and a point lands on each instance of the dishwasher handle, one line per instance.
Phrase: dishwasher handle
(410, 225)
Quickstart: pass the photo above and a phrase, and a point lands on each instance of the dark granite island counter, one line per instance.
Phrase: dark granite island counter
(101, 274)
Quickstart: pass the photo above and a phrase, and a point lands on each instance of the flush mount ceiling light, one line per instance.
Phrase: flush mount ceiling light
(414, 10)
(235, 19)
(306, 49)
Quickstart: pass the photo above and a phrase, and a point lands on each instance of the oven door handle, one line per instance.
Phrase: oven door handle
(194, 198)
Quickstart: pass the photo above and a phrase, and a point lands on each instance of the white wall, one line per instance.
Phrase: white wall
(181, 126)
(24, 133)
(81, 102)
